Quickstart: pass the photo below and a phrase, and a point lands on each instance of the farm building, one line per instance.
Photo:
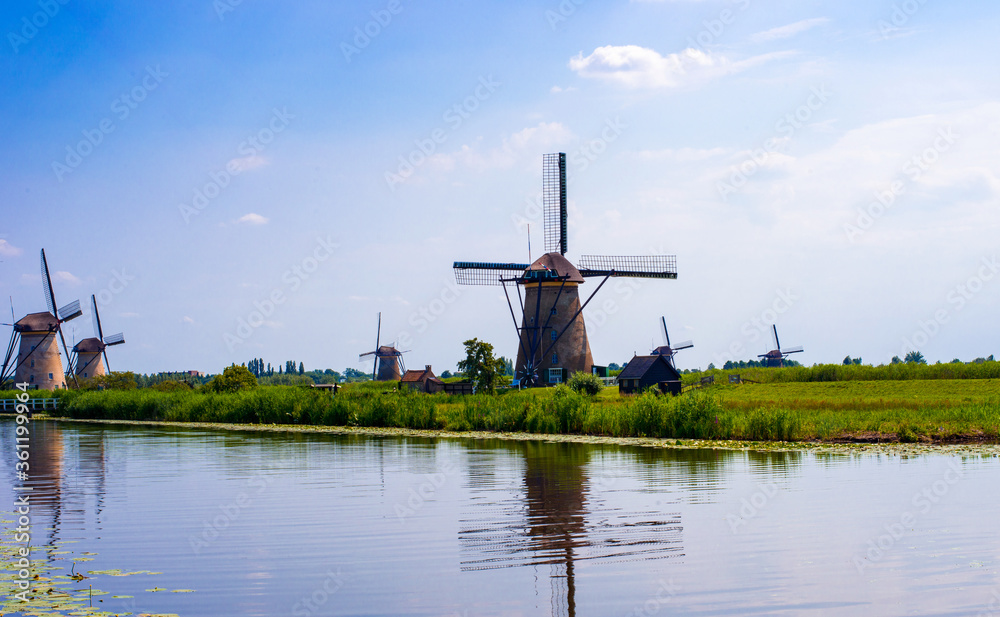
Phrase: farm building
(649, 371)
(424, 380)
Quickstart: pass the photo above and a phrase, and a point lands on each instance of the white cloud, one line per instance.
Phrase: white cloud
(9, 250)
(681, 155)
(638, 67)
(187, 319)
(247, 163)
(533, 139)
(252, 219)
(61, 276)
(784, 32)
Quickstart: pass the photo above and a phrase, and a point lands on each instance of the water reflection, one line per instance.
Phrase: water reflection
(557, 518)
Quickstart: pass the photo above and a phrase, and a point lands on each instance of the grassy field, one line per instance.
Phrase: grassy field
(910, 410)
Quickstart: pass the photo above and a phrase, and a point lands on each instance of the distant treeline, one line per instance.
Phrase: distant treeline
(986, 369)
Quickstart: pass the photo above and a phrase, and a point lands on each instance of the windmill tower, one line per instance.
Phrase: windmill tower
(776, 357)
(38, 363)
(388, 363)
(669, 350)
(88, 351)
(552, 336)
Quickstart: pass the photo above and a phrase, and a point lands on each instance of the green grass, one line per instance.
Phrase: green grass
(905, 410)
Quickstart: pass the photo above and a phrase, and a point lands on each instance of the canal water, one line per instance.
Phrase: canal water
(264, 523)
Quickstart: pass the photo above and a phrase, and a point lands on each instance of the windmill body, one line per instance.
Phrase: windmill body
(388, 364)
(88, 352)
(88, 357)
(552, 336)
(38, 361)
(550, 303)
(670, 350)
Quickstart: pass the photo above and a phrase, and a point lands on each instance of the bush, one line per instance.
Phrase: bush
(233, 379)
(585, 383)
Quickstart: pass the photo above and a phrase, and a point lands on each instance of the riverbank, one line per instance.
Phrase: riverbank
(913, 411)
(847, 448)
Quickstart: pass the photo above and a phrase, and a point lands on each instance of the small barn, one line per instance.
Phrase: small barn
(424, 380)
(646, 372)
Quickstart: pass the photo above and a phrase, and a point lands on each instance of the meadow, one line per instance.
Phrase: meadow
(913, 406)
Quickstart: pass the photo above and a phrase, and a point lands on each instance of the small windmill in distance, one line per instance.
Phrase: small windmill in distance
(388, 363)
(89, 350)
(776, 357)
(669, 350)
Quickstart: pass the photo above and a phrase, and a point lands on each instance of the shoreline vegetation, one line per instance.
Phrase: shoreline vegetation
(936, 404)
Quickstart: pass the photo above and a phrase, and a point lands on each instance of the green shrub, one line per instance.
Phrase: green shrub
(585, 383)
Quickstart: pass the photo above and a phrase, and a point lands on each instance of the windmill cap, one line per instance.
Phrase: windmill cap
(555, 262)
(89, 345)
(37, 322)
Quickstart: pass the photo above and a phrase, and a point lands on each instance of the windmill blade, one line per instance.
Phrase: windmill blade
(797, 349)
(96, 317)
(70, 311)
(50, 298)
(485, 273)
(777, 343)
(554, 201)
(114, 339)
(683, 345)
(366, 354)
(640, 266)
(378, 336)
(107, 364)
(666, 335)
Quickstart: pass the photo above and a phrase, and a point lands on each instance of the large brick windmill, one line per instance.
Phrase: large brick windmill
(552, 335)
(38, 363)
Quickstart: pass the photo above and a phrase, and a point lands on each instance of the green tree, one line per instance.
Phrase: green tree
(302, 368)
(234, 378)
(915, 357)
(896, 360)
(115, 380)
(480, 367)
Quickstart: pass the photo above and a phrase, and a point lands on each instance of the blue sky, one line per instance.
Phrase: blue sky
(260, 179)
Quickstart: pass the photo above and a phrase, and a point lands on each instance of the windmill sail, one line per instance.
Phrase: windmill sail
(485, 273)
(640, 266)
(554, 202)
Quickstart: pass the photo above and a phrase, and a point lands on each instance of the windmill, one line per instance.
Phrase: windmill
(552, 336)
(776, 357)
(388, 362)
(38, 363)
(89, 350)
(669, 350)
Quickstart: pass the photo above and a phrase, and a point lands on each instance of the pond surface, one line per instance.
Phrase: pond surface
(310, 524)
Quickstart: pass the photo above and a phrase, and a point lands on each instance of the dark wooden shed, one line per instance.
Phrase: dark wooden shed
(646, 372)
